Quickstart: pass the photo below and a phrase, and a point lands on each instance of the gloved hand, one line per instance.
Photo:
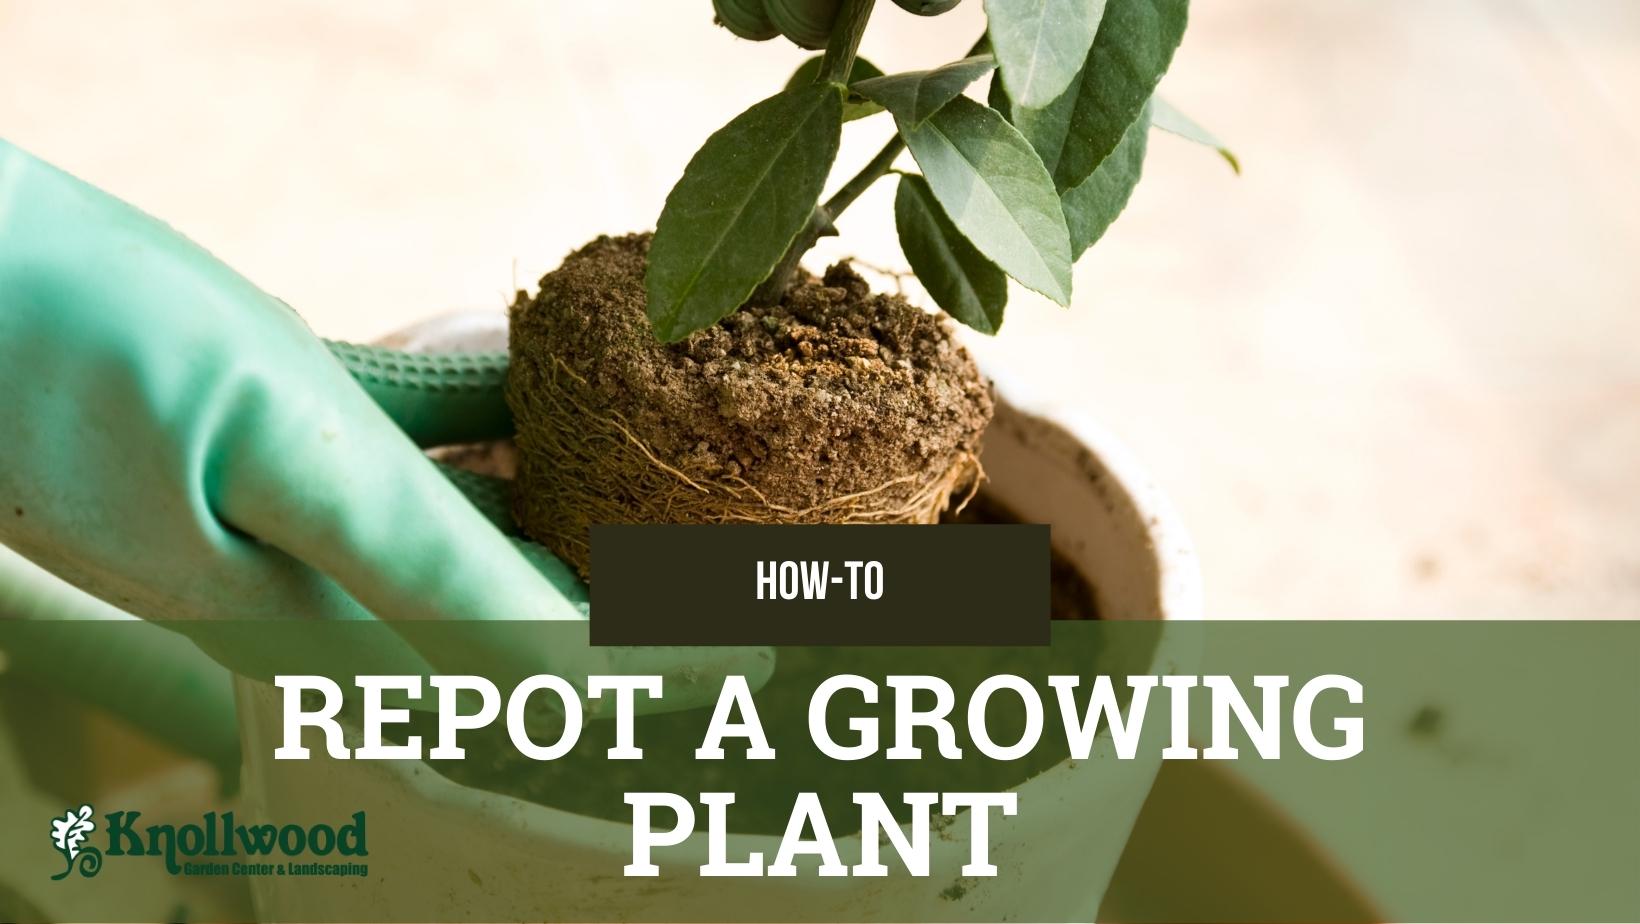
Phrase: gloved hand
(177, 443)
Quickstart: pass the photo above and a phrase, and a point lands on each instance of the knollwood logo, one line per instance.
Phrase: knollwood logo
(68, 833)
(215, 846)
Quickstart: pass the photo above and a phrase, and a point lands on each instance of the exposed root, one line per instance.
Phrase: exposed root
(581, 465)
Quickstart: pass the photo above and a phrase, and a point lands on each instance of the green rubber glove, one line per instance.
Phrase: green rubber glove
(155, 680)
(178, 444)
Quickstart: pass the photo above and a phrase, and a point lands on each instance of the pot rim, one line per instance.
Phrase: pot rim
(1179, 591)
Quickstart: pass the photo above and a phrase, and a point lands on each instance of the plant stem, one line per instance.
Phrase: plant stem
(844, 43)
(820, 223)
(835, 67)
(870, 173)
(839, 60)
(877, 167)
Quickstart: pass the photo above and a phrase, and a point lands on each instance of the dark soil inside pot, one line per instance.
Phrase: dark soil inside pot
(1070, 595)
(588, 783)
(836, 405)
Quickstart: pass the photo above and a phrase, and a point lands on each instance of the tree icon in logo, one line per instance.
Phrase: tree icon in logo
(68, 833)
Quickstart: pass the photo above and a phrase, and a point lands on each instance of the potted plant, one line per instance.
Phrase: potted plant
(699, 374)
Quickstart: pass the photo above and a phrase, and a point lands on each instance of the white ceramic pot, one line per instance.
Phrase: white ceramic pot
(1048, 465)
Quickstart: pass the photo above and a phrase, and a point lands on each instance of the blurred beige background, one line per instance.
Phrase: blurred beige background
(1392, 371)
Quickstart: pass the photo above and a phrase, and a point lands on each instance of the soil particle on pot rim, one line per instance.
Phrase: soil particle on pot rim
(837, 405)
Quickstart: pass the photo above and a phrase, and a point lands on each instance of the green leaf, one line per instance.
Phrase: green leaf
(996, 192)
(1169, 119)
(745, 18)
(1092, 206)
(742, 200)
(809, 71)
(1077, 131)
(1041, 44)
(1048, 129)
(969, 287)
(916, 95)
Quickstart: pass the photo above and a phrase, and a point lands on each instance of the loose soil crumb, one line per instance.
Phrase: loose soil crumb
(837, 405)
